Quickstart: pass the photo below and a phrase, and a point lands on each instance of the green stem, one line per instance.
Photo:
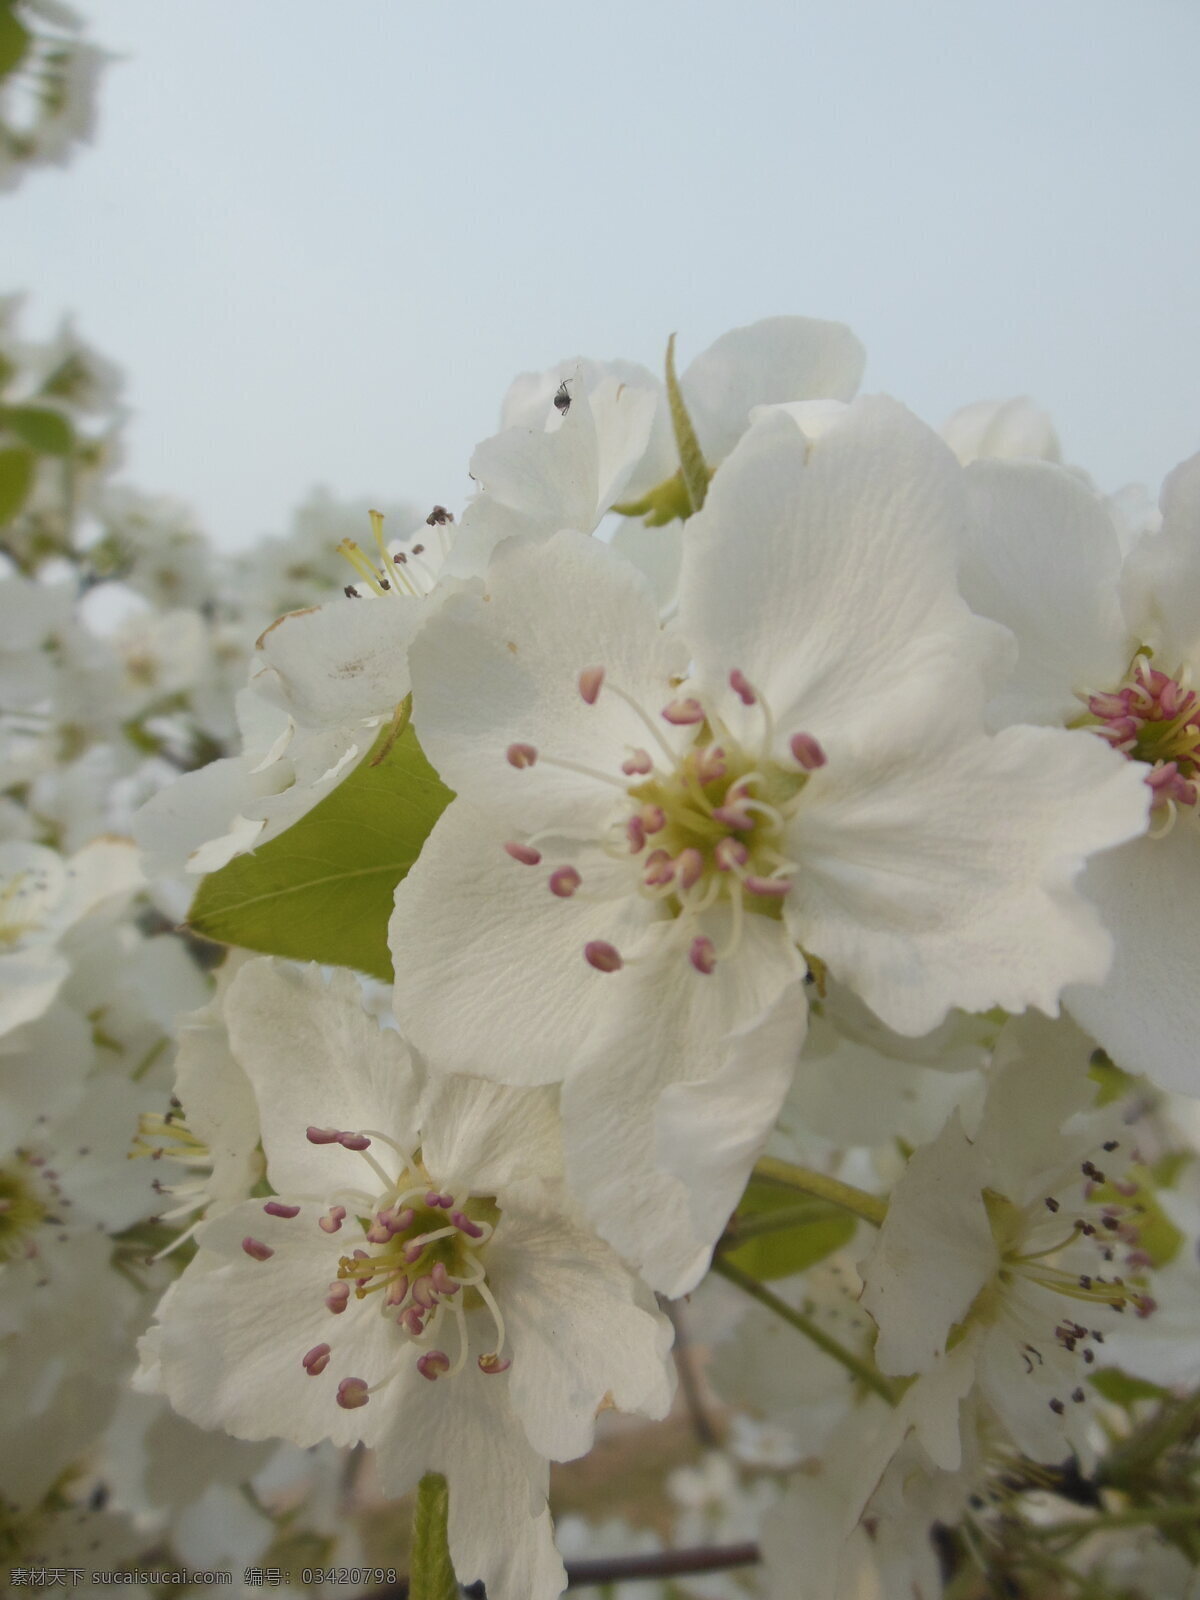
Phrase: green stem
(754, 1226)
(867, 1206)
(864, 1371)
(1138, 1516)
(431, 1575)
(1152, 1440)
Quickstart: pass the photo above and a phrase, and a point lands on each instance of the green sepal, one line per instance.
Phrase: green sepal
(808, 1231)
(323, 890)
(666, 502)
(692, 464)
(1113, 1081)
(46, 431)
(16, 480)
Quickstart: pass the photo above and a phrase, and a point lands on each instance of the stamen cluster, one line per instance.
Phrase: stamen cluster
(1036, 1253)
(413, 571)
(424, 1261)
(702, 826)
(1155, 718)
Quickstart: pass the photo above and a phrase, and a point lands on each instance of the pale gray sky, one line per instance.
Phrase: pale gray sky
(322, 237)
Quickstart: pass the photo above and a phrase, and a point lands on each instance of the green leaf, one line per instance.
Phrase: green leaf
(16, 480)
(14, 41)
(323, 890)
(807, 1232)
(48, 432)
(430, 1574)
(691, 458)
(1124, 1390)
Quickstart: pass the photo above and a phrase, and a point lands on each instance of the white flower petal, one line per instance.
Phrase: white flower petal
(825, 571)
(947, 878)
(1145, 1013)
(343, 661)
(515, 998)
(576, 1330)
(1163, 576)
(315, 1058)
(1005, 429)
(1042, 557)
(709, 1134)
(492, 672)
(670, 1025)
(499, 1527)
(228, 1349)
(487, 1134)
(932, 1256)
(777, 359)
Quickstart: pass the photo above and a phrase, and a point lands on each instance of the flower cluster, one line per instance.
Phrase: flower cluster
(709, 941)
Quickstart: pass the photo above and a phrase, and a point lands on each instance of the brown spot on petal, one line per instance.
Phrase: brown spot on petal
(306, 612)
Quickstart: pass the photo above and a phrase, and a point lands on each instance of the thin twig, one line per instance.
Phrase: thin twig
(623, 1569)
(689, 1382)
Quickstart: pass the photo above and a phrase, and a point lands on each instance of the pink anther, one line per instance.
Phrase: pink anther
(807, 751)
(564, 881)
(689, 864)
(603, 956)
(590, 680)
(702, 954)
(317, 1359)
(352, 1393)
(742, 687)
(524, 853)
(683, 713)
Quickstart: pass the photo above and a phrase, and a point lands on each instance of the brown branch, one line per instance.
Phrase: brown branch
(689, 1378)
(624, 1569)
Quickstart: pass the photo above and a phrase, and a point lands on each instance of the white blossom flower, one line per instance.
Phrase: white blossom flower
(212, 1129)
(463, 1322)
(323, 683)
(1008, 1258)
(769, 362)
(635, 862)
(1112, 645)
(564, 468)
(41, 897)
